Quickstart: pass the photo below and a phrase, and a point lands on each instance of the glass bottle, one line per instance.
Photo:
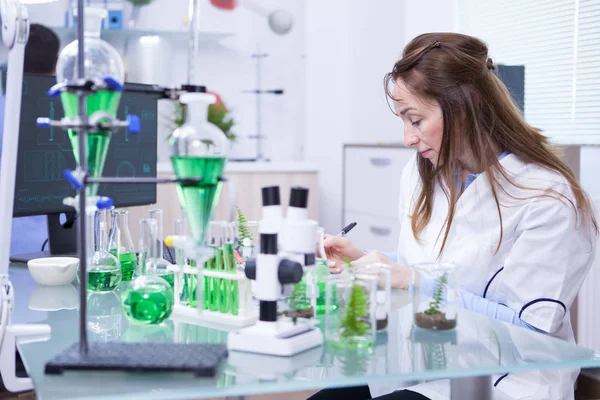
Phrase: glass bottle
(148, 299)
(120, 244)
(101, 61)
(351, 324)
(162, 266)
(103, 269)
(433, 287)
(198, 150)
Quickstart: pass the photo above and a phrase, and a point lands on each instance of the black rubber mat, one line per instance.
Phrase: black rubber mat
(201, 359)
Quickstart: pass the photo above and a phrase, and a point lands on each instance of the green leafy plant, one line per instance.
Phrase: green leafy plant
(353, 321)
(244, 231)
(435, 306)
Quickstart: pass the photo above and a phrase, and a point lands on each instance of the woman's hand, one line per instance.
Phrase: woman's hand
(339, 249)
(401, 275)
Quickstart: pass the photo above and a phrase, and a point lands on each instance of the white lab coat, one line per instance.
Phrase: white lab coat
(543, 259)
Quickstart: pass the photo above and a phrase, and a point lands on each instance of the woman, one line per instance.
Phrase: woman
(488, 192)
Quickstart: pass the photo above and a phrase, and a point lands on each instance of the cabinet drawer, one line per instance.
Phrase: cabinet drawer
(373, 233)
(372, 179)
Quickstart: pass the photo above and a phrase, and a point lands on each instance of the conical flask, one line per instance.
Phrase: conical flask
(162, 266)
(198, 150)
(147, 299)
(101, 61)
(120, 244)
(103, 269)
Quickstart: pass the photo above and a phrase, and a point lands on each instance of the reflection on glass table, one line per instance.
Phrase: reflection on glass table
(478, 347)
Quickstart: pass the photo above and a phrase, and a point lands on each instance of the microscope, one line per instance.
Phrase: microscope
(280, 262)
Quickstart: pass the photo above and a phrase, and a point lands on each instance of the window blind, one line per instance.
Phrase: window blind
(558, 42)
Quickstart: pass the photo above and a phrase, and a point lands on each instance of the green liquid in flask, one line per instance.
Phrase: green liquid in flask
(103, 280)
(199, 199)
(128, 262)
(97, 142)
(168, 276)
(149, 305)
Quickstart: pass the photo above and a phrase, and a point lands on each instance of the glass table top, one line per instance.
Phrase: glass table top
(479, 346)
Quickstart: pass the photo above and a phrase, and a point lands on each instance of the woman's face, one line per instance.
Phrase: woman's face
(423, 122)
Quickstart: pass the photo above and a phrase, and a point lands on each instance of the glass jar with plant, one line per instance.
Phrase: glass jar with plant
(433, 288)
(351, 323)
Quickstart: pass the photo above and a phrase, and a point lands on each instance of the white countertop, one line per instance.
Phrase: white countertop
(252, 167)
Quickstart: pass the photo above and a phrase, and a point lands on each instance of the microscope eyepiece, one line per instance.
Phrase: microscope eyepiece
(299, 197)
(270, 196)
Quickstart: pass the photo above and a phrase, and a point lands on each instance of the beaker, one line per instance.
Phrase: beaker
(433, 288)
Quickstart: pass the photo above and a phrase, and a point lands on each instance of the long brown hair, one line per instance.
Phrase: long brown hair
(454, 70)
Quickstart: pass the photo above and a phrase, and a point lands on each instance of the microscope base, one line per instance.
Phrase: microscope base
(281, 338)
(201, 317)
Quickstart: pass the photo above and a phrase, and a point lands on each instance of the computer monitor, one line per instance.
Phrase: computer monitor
(44, 153)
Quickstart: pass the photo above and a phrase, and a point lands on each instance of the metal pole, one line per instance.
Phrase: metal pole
(194, 16)
(82, 136)
(259, 136)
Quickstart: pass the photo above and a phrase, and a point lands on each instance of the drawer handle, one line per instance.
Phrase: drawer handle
(379, 231)
(380, 162)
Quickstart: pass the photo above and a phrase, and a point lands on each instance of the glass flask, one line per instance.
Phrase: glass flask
(103, 269)
(120, 244)
(147, 299)
(433, 287)
(101, 61)
(162, 266)
(198, 151)
(307, 297)
(351, 323)
(383, 296)
(185, 283)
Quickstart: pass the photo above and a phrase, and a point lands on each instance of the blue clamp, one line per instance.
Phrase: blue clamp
(135, 125)
(73, 179)
(43, 122)
(56, 89)
(113, 84)
(104, 203)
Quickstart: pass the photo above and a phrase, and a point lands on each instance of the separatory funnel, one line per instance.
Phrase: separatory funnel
(104, 69)
(198, 151)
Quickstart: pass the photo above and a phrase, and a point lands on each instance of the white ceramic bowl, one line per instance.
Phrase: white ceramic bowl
(53, 271)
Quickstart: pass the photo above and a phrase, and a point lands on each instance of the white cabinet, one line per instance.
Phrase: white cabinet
(371, 192)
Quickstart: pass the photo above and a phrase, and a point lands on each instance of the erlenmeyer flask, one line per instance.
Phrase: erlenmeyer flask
(121, 245)
(103, 269)
(162, 266)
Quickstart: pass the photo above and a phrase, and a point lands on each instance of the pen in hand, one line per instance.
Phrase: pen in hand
(347, 229)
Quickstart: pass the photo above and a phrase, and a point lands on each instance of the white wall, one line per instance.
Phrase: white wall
(227, 67)
(350, 46)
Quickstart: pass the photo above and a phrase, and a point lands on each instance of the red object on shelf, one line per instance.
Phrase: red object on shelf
(224, 4)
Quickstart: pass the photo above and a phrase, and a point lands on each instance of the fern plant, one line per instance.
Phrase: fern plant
(435, 306)
(353, 321)
(245, 235)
